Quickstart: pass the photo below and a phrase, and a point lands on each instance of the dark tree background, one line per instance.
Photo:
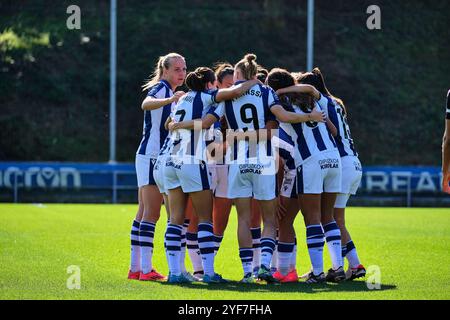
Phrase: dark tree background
(54, 82)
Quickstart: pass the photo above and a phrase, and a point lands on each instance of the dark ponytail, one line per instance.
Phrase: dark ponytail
(223, 69)
(281, 78)
(198, 79)
(315, 78)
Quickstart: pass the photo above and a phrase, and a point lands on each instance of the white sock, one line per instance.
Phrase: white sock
(315, 242)
(274, 262)
(194, 251)
(206, 244)
(146, 235)
(183, 246)
(173, 247)
(267, 248)
(352, 255)
(256, 243)
(333, 238)
(135, 264)
(284, 257)
(246, 255)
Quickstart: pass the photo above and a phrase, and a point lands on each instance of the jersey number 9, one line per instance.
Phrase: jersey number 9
(253, 118)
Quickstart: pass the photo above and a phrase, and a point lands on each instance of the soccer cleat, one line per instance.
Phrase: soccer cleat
(312, 278)
(265, 274)
(216, 278)
(248, 278)
(279, 276)
(178, 279)
(133, 275)
(199, 275)
(335, 275)
(354, 273)
(152, 276)
(290, 277)
(190, 277)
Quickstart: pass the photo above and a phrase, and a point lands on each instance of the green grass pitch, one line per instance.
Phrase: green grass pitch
(39, 242)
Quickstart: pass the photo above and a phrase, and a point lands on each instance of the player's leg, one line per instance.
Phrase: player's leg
(310, 204)
(192, 241)
(222, 205)
(332, 185)
(243, 208)
(268, 236)
(339, 216)
(332, 237)
(203, 202)
(221, 214)
(286, 241)
(188, 217)
(135, 260)
(152, 200)
(355, 269)
(255, 228)
(195, 180)
(177, 205)
(240, 191)
(166, 206)
(309, 190)
(264, 190)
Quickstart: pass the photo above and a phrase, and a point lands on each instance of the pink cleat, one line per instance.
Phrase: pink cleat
(152, 276)
(290, 277)
(277, 275)
(133, 275)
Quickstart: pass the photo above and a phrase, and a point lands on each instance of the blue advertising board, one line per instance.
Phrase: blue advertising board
(67, 175)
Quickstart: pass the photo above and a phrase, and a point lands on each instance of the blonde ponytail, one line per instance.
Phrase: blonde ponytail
(248, 66)
(163, 63)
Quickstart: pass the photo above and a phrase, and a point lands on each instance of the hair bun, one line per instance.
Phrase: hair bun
(316, 70)
(250, 57)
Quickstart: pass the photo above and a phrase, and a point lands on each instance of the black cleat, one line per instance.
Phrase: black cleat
(335, 275)
(312, 278)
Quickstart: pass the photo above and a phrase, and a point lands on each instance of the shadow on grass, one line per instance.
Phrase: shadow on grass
(349, 286)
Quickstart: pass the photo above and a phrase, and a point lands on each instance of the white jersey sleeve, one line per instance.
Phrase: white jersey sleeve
(323, 104)
(272, 98)
(158, 91)
(217, 110)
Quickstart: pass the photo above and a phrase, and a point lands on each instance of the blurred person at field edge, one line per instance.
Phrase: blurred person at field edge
(446, 150)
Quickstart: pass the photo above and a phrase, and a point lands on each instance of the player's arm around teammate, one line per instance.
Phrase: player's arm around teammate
(351, 169)
(318, 171)
(182, 178)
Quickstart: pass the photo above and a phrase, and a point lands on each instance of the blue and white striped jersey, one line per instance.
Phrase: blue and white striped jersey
(335, 112)
(167, 146)
(193, 105)
(448, 106)
(154, 133)
(310, 137)
(283, 142)
(249, 112)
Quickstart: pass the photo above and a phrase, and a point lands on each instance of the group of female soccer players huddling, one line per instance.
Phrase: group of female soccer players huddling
(271, 143)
